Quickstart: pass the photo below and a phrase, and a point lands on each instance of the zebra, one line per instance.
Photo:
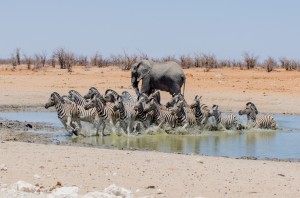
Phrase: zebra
(110, 95)
(156, 96)
(160, 116)
(89, 115)
(127, 115)
(76, 97)
(67, 112)
(175, 99)
(263, 122)
(139, 108)
(91, 91)
(228, 121)
(127, 97)
(201, 111)
(105, 112)
(183, 118)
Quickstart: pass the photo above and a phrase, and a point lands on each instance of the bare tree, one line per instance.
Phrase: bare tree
(186, 61)
(18, 58)
(250, 60)
(65, 59)
(269, 64)
(28, 61)
(128, 61)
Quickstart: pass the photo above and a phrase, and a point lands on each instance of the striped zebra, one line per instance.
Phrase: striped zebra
(183, 117)
(139, 108)
(228, 121)
(67, 112)
(160, 116)
(155, 95)
(127, 115)
(127, 97)
(201, 111)
(110, 95)
(105, 112)
(89, 115)
(175, 99)
(263, 122)
(91, 91)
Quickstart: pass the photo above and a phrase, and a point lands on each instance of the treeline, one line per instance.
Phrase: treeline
(65, 59)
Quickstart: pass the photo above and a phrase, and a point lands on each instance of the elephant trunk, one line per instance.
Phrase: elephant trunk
(135, 84)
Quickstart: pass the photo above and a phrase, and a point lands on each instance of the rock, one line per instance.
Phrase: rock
(25, 187)
(36, 176)
(66, 192)
(3, 167)
(97, 194)
(118, 191)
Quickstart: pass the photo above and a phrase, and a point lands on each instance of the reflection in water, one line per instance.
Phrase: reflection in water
(282, 144)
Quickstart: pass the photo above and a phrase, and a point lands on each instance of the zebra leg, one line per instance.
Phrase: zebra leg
(66, 127)
(103, 128)
(69, 124)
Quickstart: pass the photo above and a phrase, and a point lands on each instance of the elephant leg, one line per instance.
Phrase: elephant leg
(146, 88)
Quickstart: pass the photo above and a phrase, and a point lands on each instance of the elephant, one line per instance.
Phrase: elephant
(166, 76)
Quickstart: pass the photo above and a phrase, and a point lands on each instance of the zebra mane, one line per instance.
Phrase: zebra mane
(127, 97)
(253, 107)
(111, 95)
(156, 96)
(74, 92)
(112, 92)
(56, 95)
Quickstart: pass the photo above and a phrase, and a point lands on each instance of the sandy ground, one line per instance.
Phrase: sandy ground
(142, 172)
(274, 92)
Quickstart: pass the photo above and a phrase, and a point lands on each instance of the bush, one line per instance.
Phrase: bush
(269, 64)
(250, 60)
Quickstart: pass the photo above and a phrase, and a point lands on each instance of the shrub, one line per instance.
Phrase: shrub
(250, 60)
(269, 64)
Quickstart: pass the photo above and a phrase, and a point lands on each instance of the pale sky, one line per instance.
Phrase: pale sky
(224, 28)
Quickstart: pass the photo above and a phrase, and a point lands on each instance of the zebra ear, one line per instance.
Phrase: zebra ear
(119, 98)
(253, 107)
(215, 107)
(197, 97)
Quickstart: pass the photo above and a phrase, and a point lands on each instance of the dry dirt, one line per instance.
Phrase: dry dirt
(274, 92)
(146, 173)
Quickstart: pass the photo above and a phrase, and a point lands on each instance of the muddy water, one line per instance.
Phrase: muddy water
(280, 144)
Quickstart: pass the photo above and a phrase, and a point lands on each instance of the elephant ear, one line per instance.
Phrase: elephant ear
(143, 69)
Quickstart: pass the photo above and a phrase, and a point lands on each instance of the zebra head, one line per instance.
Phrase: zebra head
(177, 108)
(156, 96)
(118, 104)
(196, 102)
(215, 112)
(74, 95)
(90, 92)
(249, 110)
(174, 100)
(111, 95)
(151, 105)
(92, 102)
(53, 100)
(143, 98)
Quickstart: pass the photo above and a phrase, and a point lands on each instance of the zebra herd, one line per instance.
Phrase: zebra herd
(125, 114)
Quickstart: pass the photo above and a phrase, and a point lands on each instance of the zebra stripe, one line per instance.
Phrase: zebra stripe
(89, 115)
(264, 122)
(160, 116)
(127, 114)
(228, 121)
(105, 112)
(67, 112)
(183, 117)
(201, 111)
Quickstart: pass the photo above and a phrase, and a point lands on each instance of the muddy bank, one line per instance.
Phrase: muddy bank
(25, 108)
